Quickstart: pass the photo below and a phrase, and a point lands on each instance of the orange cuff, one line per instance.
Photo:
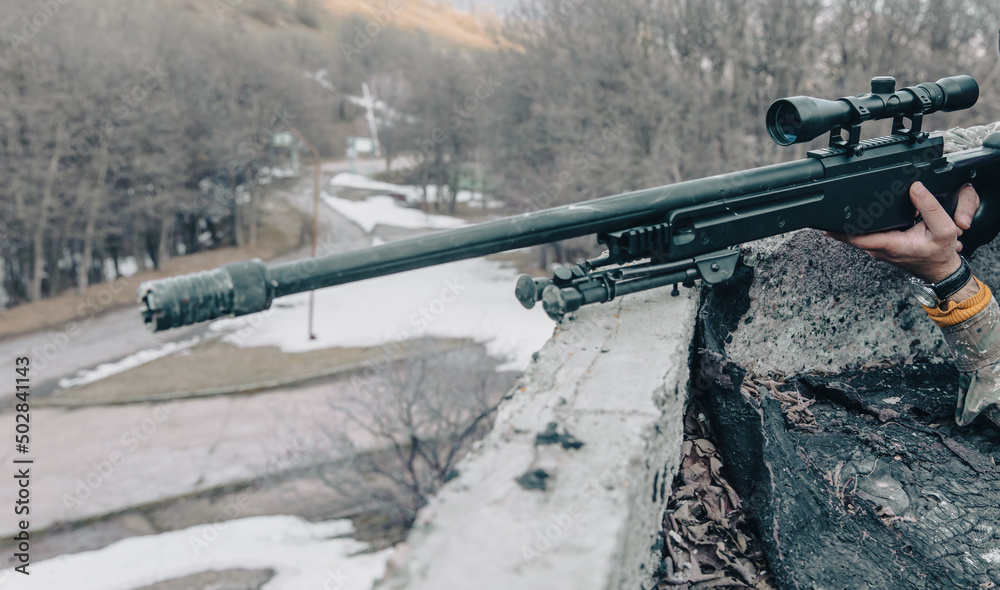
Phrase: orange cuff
(956, 313)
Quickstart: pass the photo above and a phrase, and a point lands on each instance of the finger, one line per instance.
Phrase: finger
(878, 241)
(931, 212)
(937, 220)
(968, 204)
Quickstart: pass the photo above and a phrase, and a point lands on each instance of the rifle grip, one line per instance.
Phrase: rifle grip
(986, 221)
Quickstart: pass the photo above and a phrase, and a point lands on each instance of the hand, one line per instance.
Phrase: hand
(928, 250)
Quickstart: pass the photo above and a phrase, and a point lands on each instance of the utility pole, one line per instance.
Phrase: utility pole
(315, 224)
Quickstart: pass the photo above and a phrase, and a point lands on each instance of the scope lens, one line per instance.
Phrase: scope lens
(787, 123)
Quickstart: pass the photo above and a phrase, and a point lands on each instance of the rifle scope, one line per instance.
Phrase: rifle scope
(799, 119)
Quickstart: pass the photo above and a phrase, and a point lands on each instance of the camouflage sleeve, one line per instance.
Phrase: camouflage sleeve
(959, 139)
(976, 342)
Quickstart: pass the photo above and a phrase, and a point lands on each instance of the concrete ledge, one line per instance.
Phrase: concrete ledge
(615, 378)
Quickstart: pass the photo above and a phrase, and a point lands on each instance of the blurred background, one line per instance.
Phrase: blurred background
(145, 139)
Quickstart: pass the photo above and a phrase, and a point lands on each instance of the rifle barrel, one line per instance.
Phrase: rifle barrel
(614, 213)
(248, 287)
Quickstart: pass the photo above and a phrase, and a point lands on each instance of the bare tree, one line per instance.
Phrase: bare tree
(421, 412)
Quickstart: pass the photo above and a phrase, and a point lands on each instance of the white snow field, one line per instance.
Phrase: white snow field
(385, 210)
(413, 194)
(466, 299)
(303, 555)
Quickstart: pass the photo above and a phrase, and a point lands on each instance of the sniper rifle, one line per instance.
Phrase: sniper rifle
(668, 235)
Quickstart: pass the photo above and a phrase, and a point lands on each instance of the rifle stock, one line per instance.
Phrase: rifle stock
(680, 232)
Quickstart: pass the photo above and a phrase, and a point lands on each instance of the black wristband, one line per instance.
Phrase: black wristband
(954, 282)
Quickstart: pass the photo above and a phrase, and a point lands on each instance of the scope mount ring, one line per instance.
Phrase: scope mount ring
(853, 138)
(914, 132)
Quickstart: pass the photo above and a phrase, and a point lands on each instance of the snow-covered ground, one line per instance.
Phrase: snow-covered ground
(384, 210)
(412, 194)
(351, 180)
(465, 299)
(127, 267)
(502, 7)
(304, 555)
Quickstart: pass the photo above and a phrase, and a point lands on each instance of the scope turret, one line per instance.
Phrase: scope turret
(799, 119)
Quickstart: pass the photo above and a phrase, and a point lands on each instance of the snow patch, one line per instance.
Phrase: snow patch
(387, 211)
(465, 299)
(350, 180)
(304, 555)
(127, 266)
(142, 357)
(413, 194)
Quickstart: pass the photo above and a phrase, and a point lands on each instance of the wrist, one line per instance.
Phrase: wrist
(947, 289)
(941, 272)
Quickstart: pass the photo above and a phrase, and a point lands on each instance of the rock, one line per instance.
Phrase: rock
(816, 303)
(879, 488)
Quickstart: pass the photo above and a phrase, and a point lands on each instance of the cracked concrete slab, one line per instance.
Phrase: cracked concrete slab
(614, 378)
